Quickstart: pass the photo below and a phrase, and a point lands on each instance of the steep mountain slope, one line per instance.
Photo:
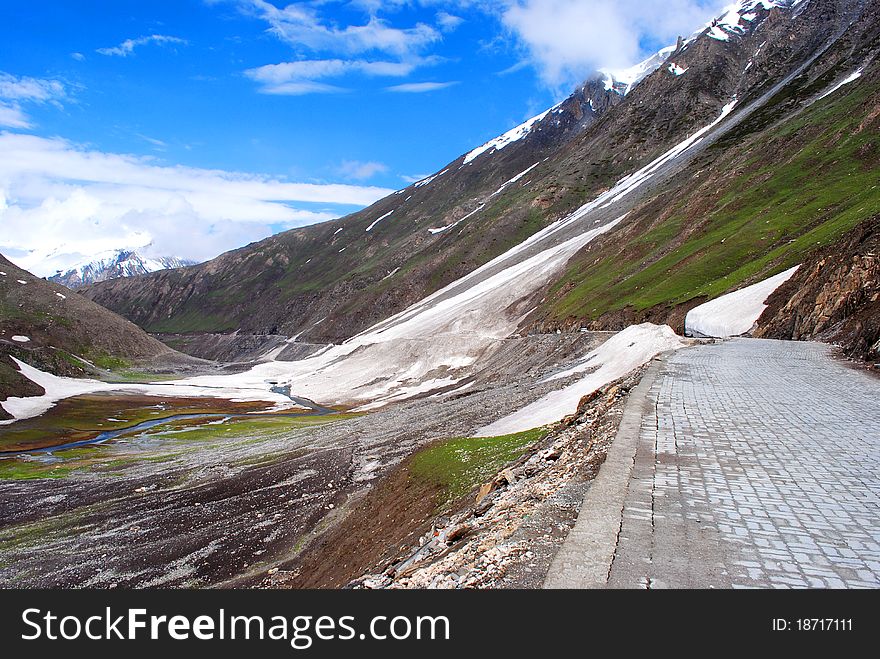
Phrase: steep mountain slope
(797, 174)
(360, 269)
(756, 203)
(50, 327)
(692, 231)
(113, 265)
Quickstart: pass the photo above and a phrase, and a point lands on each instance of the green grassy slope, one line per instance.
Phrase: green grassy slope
(756, 203)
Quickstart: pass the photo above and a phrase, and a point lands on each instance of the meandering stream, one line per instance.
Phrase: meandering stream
(312, 409)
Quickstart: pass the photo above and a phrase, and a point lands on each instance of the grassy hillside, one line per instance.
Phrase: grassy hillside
(757, 203)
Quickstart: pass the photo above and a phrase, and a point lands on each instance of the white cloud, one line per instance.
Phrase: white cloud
(301, 87)
(37, 90)
(14, 91)
(420, 87)
(302, 76)
(159, 145)
(448, 22)
(354, 46)
(79, 57)
(64, 203)
(361, 171)
(12, 116)
(566, 40)
(127, 47)
(301, 25)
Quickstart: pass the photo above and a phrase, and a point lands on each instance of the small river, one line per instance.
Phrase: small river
(313, 409)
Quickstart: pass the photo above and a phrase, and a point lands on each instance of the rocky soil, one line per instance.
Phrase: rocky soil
(503, 534)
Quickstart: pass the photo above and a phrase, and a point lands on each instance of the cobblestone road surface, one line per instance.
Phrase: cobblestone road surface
(757, 465)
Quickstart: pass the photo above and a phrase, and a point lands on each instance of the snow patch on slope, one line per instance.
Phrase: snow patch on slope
(735, 313)
(623, 81)
(508, 138)
(734, 18)
(625, 351)
(852, 77)
(369, 228)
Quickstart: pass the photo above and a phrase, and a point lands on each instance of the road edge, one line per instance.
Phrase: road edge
(585, 558)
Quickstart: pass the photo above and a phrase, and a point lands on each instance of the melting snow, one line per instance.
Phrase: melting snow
(61, 295)
(338, 230)
(625, 80)
(514, 180)
(21, 281)
(437, 230)
(379, 220)
(625, 351)
(20, 339)
(429, 179)
(676, 70)
(735, 313)
(457, 222)
(2, 273)
(731, 20)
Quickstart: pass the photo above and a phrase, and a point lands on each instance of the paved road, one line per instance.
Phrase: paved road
(755, 464)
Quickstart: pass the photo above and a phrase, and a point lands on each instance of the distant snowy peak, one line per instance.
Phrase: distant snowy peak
(734, 20)
(113, 265)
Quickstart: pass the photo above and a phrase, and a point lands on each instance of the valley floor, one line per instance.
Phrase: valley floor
(223, 504)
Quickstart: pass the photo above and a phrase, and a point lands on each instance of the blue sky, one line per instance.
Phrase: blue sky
(307, 110)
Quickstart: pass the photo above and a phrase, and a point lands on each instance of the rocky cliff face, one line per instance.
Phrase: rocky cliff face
(834, 296)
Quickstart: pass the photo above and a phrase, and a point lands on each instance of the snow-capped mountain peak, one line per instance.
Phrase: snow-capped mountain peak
(114, 264)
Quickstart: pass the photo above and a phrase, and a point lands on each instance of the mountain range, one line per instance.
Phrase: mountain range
(743, 150)
(732, 211)
(115, 264)
(446, 370)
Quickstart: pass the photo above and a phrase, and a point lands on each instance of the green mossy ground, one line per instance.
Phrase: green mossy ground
(458, 465)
